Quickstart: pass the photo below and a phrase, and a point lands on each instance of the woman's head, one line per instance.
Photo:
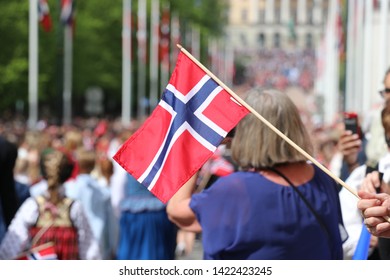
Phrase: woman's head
(255, 145)
(86, 160)
(56, 167)
(73, 139)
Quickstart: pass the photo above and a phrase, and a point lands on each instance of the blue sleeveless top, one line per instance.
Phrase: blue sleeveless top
(246, 216)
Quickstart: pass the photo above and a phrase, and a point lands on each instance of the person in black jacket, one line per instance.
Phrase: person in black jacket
(8, 197)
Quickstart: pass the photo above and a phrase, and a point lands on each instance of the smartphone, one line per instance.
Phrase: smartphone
(351, 123)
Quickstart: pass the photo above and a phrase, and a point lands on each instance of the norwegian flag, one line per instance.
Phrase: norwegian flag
(44, 15)
(182, 133)
(43, 252)
(67, 12)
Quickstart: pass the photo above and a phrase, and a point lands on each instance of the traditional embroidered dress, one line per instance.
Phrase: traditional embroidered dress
(77, 237)
(54, 225)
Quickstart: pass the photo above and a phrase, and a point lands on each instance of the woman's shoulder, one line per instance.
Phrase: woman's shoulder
(224, 191)
(237, 176)
(319, 173)
(234, 183)
(324, 181)
(30, 204)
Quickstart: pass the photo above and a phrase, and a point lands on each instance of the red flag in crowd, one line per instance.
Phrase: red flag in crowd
(101, 128)
(182, 133)
(44, 15)
(221, 167)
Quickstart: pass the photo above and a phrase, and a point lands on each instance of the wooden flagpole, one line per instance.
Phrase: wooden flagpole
(278, 132)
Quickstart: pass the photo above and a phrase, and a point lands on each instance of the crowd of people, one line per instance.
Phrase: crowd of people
(279, 69)
(257, 197)
(60, 186)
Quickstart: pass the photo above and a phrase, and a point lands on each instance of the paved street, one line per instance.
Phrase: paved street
(196, 254)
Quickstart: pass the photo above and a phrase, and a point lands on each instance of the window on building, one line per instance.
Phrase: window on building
(261, 16)
(277, 40)
(317, 6)
(243, 39)
(244, 15)
(293, 14)
(309, 41)
(309, 12)
(261, 40)
(277, 15)
(325, 13)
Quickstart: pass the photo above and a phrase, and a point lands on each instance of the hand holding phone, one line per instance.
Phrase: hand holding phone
(351, 123)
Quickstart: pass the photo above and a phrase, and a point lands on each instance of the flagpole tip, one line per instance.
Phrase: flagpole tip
(179, 46)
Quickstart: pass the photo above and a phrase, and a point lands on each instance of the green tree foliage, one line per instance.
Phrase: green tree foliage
(13, 52)
(97, 48)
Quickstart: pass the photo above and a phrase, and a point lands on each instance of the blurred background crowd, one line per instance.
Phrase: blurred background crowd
(99, 79)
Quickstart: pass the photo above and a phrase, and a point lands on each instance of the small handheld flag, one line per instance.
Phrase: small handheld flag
(361, 251)
(43, 252)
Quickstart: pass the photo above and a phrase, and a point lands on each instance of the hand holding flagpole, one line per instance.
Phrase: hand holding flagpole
(278, 132)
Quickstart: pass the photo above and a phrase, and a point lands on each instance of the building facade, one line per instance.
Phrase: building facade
(259, 24)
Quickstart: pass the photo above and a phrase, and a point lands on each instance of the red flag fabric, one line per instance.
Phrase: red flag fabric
(101, 128)
(67, 12)
(43, 252)
(44, 15)
(182, 133)
(221, 167)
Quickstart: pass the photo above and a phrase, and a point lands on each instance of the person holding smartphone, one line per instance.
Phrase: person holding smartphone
(371, 145)
(351, 144)
(368, 180)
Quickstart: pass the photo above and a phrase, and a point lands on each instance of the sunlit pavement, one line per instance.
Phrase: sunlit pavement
(196, 254)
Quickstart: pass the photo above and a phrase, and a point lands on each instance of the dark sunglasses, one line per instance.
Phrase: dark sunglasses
(383, 91)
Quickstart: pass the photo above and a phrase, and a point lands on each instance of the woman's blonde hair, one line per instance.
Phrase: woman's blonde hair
(255, 145)
(56, 167)
(73, 139)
